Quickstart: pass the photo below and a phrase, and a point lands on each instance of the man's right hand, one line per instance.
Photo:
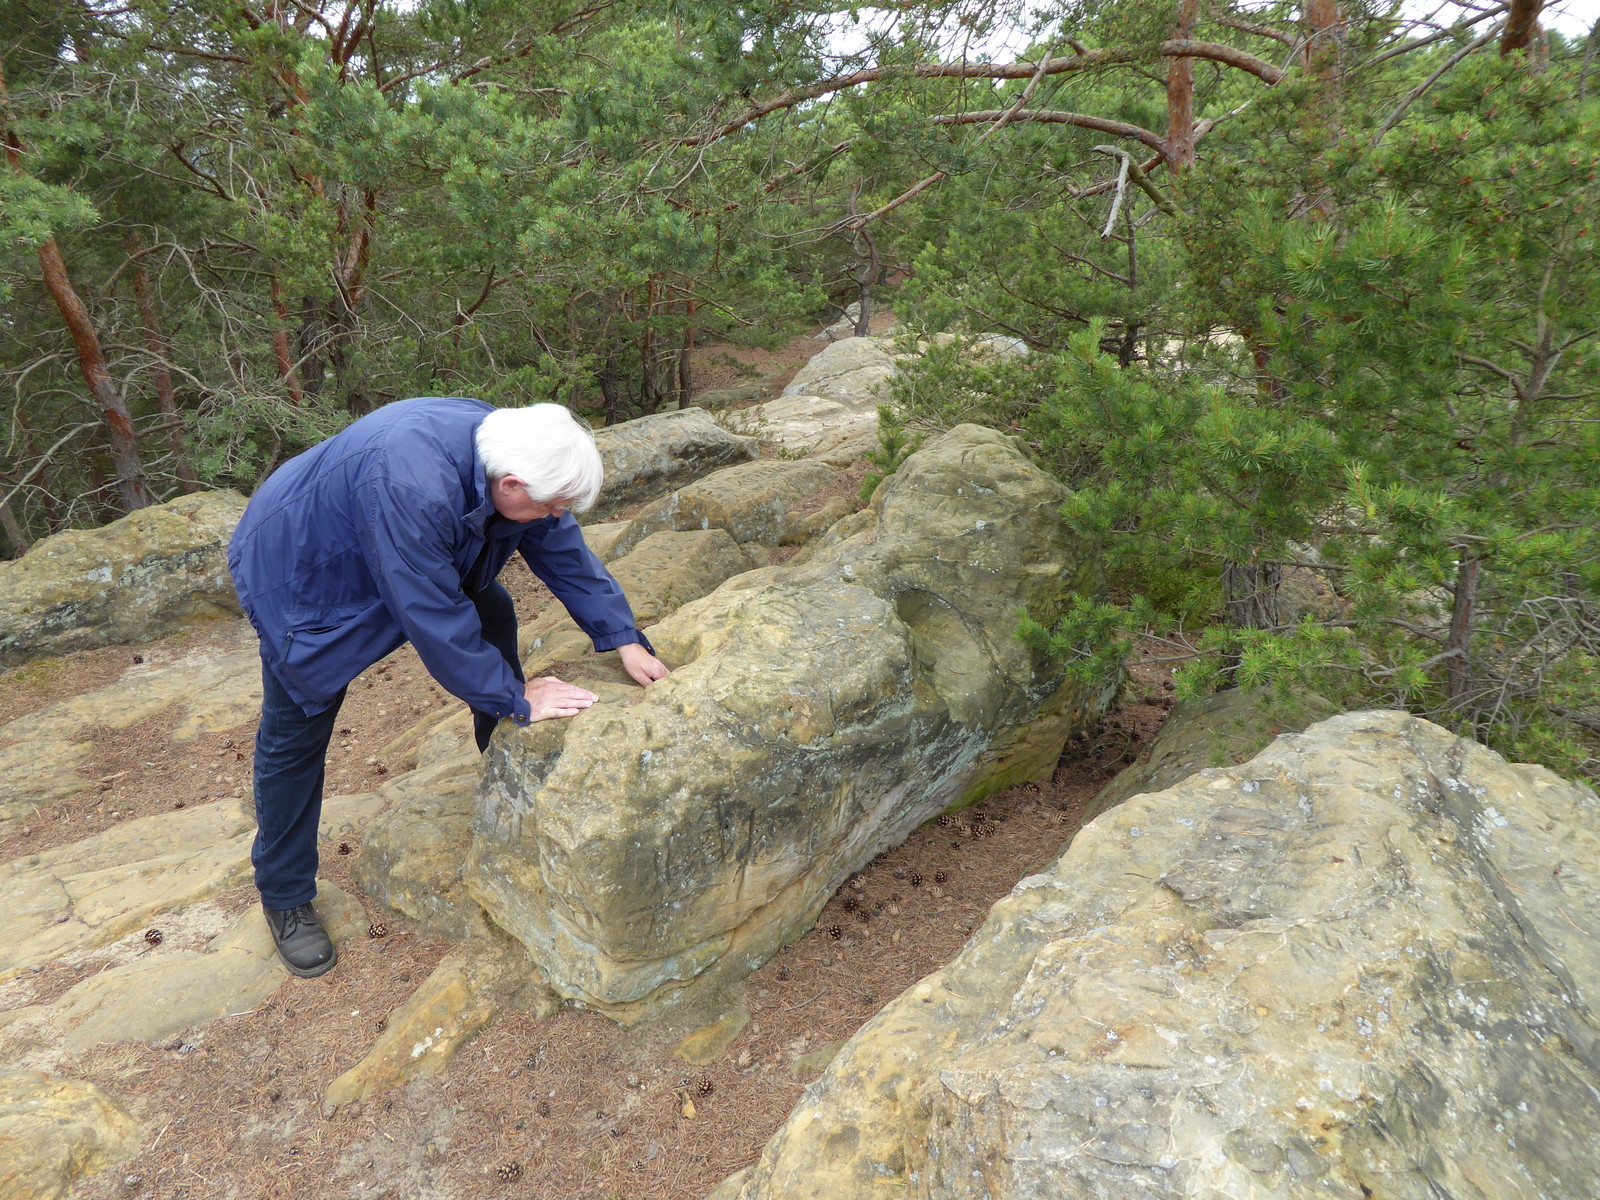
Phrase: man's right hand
(552, 697)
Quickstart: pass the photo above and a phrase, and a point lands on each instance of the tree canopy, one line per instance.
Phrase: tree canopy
(1306, 285)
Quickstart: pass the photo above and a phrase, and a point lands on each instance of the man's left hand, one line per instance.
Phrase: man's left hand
(642, 666)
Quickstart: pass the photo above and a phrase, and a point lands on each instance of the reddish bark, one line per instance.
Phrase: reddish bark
(280, 346)
(1179, 148)
(132, 489)
(1521, 22)
(1323, 38)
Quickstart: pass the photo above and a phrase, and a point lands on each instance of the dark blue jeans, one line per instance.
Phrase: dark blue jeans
(291, 764)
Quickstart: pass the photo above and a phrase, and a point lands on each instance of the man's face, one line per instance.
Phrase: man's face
(511, 500)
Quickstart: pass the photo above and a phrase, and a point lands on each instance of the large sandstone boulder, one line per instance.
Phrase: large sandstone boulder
(855, 372)
(53, 1132)
(662, 572)
(1364, 964)
(412, 856)
(815, 716)
(149, 574)
(653, 454)
(717, 399)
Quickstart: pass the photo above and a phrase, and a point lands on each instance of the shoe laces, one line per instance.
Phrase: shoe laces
(295, 917)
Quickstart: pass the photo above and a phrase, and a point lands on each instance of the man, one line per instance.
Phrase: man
(392, 531)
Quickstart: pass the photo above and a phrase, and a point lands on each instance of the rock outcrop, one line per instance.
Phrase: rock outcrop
(413, 855)
(854, 372)
(798, 424)
(90, 892)
(816, 715)
(461, 996)
(660, 574)
(1365, 963)
(769, 502)
(157, 997)
(654, 454)
(152, 573)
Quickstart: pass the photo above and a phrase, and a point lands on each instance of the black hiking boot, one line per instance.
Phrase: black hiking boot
(303, 944)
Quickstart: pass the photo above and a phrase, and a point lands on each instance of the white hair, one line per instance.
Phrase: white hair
(546, 447)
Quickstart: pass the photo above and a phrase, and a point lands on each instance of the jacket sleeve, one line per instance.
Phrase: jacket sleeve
(556, 552)
(410, 547)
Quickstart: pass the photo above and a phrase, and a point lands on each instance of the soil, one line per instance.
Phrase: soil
(572, 1107)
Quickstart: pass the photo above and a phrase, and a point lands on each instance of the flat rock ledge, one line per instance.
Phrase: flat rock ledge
(816, 715)
(1365, 963)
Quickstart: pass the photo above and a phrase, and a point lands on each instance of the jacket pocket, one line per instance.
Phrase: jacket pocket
(323, 650)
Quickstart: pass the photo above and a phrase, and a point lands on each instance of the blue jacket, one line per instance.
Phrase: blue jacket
(375, 536)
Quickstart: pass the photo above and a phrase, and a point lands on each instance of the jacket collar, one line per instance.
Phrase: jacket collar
(482, 507)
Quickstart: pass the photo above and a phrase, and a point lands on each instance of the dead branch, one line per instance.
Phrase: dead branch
(1157, 197)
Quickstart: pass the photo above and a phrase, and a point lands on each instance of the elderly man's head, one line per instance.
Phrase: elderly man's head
(539, 460)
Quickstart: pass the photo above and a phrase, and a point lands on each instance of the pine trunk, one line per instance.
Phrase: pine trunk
(1521, 21)
(133, 491)
(156, 346)
(12, 527)
(1251, 591)
(287, 374)
(1180, 94)
(686, 356)
(1458, 668)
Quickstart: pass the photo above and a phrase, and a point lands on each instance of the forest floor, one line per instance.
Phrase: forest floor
(571, 1107)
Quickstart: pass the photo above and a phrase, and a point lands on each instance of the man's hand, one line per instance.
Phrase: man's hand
(644, 668)
(552, 697)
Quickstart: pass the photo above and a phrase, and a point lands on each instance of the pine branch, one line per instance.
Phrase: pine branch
(1081, 120)
(1065, 64)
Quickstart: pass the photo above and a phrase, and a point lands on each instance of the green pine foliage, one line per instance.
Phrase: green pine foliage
(1399, 400)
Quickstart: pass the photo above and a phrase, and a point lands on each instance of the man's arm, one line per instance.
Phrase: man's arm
(556, 552)
(408, 544)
